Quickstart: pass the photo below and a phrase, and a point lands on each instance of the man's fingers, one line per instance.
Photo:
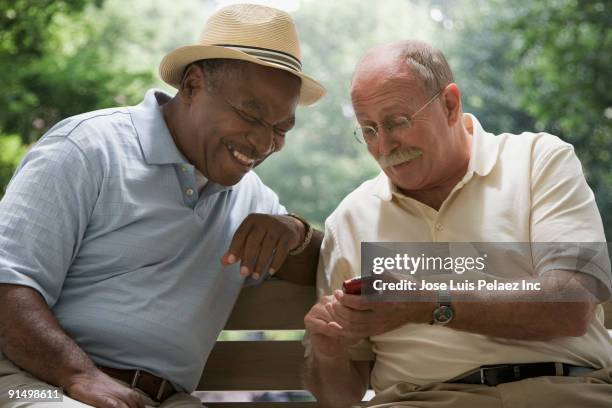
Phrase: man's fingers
(228, 259)
(351, 316)
(137, 400)
(353, 301)
(238, 241)
(268, 247)
(125, 398)
(282, 250)
(107, 402)
(318, 326)
(251, 250)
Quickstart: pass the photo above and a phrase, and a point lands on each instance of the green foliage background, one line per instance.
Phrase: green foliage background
(521, 66)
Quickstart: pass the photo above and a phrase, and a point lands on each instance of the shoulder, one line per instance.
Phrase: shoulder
(100, 121)
(92, 132)
(94, 127)
(251, 184)
(538, 145)
(89, 138)
(252, 191)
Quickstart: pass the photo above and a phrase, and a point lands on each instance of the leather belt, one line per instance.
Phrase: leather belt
(155, 387)
(502, 373)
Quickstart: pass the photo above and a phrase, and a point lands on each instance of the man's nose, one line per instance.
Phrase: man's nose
(386, 141)
(262, 139)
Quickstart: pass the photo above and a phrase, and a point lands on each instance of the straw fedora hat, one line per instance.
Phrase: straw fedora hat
(249, 32)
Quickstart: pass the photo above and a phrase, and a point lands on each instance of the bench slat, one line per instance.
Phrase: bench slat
(274, 305)
(252, 365)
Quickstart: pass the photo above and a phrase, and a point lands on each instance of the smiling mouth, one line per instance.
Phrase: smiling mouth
(241, 158)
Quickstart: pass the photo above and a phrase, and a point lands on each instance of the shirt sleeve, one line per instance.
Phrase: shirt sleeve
(333, 269)
(44, 214)
(566, 227)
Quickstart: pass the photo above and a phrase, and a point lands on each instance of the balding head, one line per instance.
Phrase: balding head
(409, 111)
(408, 59)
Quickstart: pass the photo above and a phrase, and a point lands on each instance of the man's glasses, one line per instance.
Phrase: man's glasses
(395, 126)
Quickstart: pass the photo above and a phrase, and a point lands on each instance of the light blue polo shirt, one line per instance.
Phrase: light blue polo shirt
(104, 219)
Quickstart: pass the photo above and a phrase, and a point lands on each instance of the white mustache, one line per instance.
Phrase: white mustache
(399, 156)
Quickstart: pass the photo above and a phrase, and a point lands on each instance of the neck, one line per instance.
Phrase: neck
(170, 114)
(435, 196)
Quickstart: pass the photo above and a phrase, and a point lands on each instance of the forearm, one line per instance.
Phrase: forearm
(302, 268)
(523, 321)
(335, 382)
(563, 307)
(31, 337)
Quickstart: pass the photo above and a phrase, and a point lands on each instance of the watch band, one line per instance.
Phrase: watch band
(307, 235)
(444, 298)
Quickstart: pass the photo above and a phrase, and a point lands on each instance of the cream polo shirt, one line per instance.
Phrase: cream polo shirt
(518, 188)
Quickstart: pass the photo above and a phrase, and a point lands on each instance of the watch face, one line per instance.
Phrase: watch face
(443, 315)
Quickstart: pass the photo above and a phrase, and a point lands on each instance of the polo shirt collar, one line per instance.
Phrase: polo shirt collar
(157, 144)
(155, 139)
(485, 148)
(483, 156)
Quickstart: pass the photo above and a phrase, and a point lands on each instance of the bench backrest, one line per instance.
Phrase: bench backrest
(261, 365)
(268, 365)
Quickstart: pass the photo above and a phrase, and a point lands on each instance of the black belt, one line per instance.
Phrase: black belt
(155, 387)
(502, 373)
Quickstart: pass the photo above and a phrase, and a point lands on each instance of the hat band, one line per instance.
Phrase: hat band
(268, 55)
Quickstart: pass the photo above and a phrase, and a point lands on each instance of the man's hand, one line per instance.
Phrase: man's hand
(100, 390)
(360, 317)
(330, 374)
(326, 335)
(263, 239)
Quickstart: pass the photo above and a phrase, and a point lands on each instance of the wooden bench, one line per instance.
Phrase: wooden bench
(261, 365)
(268, 365)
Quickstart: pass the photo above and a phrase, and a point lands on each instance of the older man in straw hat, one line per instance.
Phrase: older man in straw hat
(445, 179)
(127, 233)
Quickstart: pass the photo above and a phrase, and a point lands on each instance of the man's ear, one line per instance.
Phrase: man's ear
(192, 82)
(451, 95)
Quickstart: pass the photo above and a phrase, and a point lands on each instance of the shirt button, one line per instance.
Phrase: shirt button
(439, 227)
(189, 192)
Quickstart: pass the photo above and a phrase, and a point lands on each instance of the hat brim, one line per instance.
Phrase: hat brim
(173, 65)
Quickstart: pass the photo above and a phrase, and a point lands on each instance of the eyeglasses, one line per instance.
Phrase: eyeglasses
(369, 134)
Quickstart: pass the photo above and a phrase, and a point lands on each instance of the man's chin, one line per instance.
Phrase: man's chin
(404, 182)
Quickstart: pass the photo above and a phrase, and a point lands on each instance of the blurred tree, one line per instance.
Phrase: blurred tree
(563, 53)
(479, 54)
(55, 65)
(11, 151)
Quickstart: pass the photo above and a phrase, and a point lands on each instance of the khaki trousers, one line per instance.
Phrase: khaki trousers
(13, 378)
(591, 390)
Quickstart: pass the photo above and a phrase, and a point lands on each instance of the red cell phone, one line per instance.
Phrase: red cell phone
(358, 285)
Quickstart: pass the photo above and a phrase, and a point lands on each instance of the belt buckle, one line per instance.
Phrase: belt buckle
(483, 374)
(160, 391)
(137, 375)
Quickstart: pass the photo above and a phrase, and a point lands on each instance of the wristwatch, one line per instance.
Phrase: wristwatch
(444, 313)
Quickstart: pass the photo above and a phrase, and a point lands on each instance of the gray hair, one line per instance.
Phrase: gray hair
(427, 64)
